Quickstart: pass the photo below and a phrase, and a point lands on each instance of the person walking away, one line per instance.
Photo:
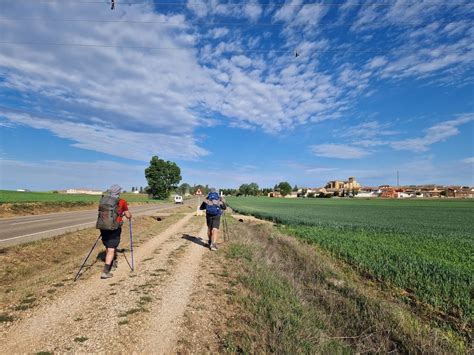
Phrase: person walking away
(111, 211)
(214, 205)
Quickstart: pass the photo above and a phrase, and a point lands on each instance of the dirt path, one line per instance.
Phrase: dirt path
(137, 311)
(168, 314)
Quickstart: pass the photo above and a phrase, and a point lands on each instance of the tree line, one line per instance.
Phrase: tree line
(163, 178)
(252, 189)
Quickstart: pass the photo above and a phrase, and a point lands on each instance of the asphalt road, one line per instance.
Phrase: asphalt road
(18, 230)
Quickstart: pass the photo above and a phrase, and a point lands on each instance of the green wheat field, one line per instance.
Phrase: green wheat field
(24, 197)
(424, 247)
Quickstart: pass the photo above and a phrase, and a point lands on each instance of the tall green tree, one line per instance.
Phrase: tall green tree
(244, 189)
(253, 189)
(162, 176)
(285, 188)
(184, 188)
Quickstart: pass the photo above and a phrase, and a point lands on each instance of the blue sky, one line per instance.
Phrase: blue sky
(88, 95)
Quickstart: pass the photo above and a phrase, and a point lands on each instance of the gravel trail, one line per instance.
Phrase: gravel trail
(137, 311)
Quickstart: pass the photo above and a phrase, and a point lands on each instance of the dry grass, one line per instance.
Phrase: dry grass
(277, 294)
(43, 269)
(38, 208)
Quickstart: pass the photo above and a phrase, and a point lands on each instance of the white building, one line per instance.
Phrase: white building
(84, 191)
(366, 194)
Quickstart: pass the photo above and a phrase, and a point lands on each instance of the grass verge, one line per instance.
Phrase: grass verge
(290, 297)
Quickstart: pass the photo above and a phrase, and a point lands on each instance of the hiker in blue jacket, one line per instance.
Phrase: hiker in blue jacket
(213, 205)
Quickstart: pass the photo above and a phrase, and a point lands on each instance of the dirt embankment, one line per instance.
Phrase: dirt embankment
(37, 208)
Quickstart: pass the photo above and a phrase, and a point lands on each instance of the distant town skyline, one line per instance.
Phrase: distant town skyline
(236, 92)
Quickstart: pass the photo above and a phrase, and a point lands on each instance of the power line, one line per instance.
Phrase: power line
(237, 24)
(264, 50)
(204, 3)
(129, 47)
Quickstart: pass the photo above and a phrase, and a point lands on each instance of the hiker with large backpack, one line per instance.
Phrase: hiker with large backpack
(110, 219)
(214, 205)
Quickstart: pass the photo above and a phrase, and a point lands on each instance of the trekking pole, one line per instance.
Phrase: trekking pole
(123, 253)
(227, 229)
(131, 242)
(224, 225)
(85, 260)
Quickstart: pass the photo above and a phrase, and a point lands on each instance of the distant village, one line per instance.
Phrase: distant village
(334, 188)
(351, 188)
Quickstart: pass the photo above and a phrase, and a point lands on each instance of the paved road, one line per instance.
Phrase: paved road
(19, 230)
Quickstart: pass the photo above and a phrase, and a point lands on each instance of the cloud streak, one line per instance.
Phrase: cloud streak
(440, 132)
(338, 151)
(117, 142)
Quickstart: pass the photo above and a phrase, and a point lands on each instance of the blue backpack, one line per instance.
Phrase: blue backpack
(213, 208)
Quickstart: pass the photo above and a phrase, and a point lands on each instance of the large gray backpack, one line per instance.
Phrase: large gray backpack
(108, 213)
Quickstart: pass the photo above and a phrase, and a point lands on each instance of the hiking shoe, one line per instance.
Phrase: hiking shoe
(114, 264)
(106, 275)
(213, 247)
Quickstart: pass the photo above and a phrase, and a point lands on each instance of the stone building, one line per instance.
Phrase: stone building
(350, 184)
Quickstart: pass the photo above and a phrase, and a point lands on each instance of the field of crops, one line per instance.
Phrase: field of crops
(19, 197)
(425, 247)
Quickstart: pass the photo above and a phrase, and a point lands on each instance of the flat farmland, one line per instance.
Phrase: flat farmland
(423, 247)
(30, 197)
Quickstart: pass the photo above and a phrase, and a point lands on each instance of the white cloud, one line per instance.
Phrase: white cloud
(340, 151)
(241, 61)
(417, 45)
(129, 91)
(377, 62)
(434, 134)
(118, 142)
(198, 7)
(218, 32)
(288, 11)
(369, 142)
(167, 91)
(469, 160)
(310, 14)
(366, 130)
(252, 10)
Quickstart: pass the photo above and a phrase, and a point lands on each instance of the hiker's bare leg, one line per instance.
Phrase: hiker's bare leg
(109, 256)
(215, 234)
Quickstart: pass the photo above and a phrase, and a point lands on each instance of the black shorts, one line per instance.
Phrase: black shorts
(111, 239)
(213, 221)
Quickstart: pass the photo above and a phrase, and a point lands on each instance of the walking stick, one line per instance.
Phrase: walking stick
(131, 242)
(227, 229)
(85, 260)
(226, 232)
(125, 256)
